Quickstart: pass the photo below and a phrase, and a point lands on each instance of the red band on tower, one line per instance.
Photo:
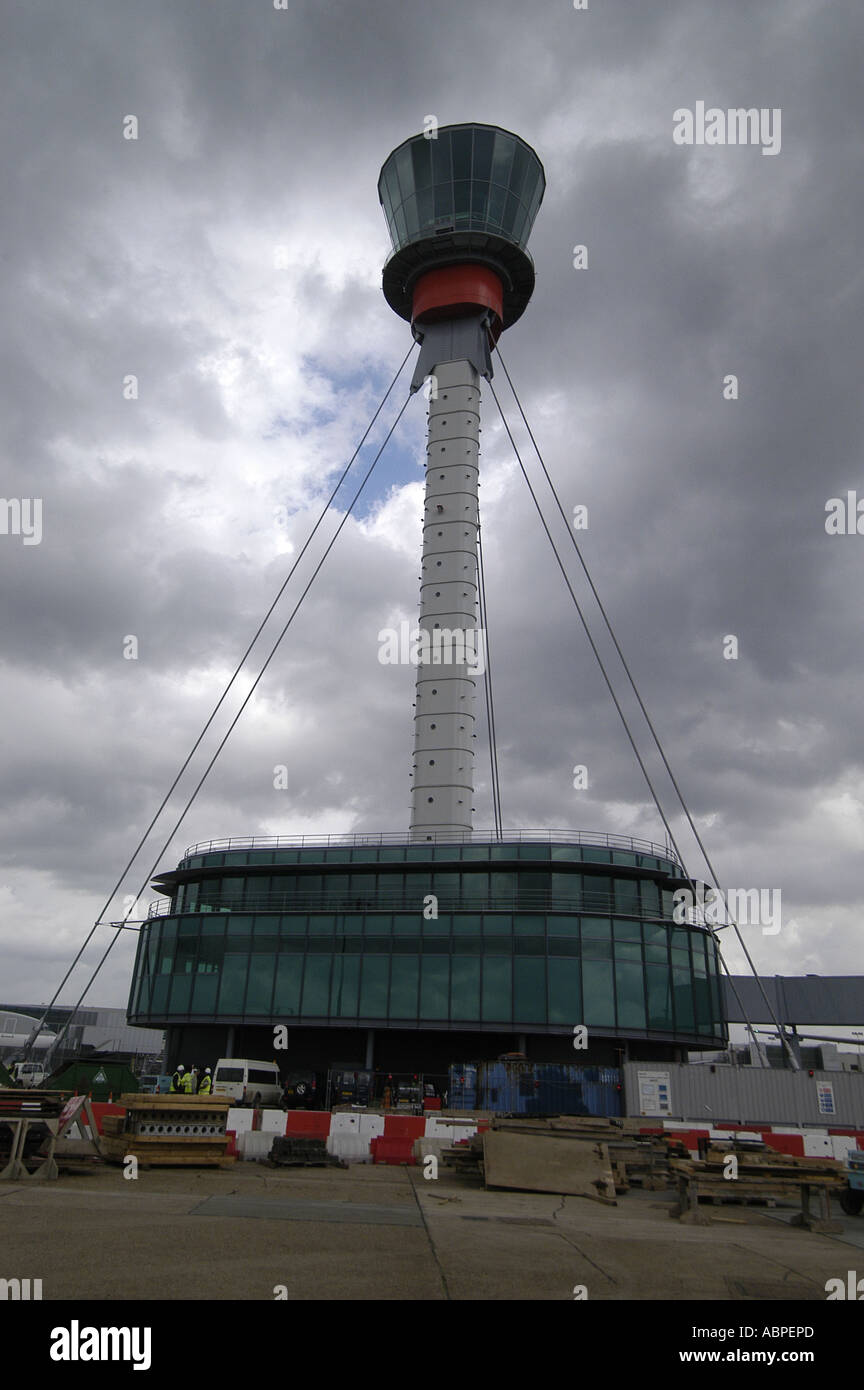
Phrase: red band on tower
(457, 290)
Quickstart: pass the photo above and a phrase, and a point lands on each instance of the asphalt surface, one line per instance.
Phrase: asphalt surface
(385, 1233)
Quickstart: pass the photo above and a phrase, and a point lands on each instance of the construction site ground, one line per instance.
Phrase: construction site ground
(378, 1232)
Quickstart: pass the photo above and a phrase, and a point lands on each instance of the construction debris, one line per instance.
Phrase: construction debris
(763, 1175)
(168, 1129)
(541, 1162)
(634, 1158)
(303, 1153)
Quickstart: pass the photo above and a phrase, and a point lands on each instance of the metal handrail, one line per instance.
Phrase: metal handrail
(596, 839)
(594, 904)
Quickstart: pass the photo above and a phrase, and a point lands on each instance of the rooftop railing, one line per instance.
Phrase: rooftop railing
(595, 839)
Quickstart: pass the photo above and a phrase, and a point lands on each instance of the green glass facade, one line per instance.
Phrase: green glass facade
(467, 178)
(533, 937)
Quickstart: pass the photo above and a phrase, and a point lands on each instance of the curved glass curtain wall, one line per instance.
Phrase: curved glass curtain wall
(461, 970)
(471, 178)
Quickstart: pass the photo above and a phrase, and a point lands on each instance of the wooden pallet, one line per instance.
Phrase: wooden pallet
(761, 1176)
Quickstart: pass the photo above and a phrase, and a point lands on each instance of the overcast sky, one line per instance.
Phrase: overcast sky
(230, 259)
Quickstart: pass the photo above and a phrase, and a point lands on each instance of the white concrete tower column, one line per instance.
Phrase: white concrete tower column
(443, 772)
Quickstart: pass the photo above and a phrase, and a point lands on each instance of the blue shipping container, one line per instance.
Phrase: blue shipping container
(535, 1088)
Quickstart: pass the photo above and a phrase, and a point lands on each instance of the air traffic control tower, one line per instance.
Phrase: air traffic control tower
(460, 207)
(537, 931)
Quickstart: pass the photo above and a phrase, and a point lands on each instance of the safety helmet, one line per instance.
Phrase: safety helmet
(206, 1071)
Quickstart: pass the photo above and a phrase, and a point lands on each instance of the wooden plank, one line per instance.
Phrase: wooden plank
(533, 1163)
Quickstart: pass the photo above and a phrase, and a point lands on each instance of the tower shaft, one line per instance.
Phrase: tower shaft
(451, 648)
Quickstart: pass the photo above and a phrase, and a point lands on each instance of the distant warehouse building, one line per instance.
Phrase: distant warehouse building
(409, 956)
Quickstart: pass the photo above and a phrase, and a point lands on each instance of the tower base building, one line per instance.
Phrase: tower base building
(376, 951)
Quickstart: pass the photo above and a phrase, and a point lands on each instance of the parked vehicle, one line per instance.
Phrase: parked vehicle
(155, 1084)
(28, 1074)
(351, 1087)
(300, 1091)
(247, 1082)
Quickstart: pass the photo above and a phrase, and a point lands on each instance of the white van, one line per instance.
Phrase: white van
(29, 1073)
(246, 1082)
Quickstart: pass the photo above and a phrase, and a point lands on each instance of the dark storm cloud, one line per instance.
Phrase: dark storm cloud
(261, 136)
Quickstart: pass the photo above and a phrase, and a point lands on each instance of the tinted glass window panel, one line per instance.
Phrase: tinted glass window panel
(520, 172)
(435, 987)
(596, 856)
(502, 159)
(631, 1000)
(628, 950)
(497, 945)
(479, 203)
(596, 950)
(316, 986)
(405, 945)
(502, 886)
(441, 166)
(416, 887)
(563, 926)
(627, 895)
(599, 994)
(402, 163)
(345, 987)
(701, 1001)
(181, 993)
(497, 981)
(321, 924)
(529, 991)
(260, 988)
(659, 988)
(421, 163)
(404, 981)
(409, 211)
(529, 925)
(682, 985)
(436, 926)
(286, 995)
(567, 888)
(461, 147)
(160, 994)
(465, 989)
(565, 991)
(373, 987)
(466, 924)
(475, 887)
(599, 928)
(436, 946)
(627, 931)
(520, 227)
(426, 209)
(484, 141)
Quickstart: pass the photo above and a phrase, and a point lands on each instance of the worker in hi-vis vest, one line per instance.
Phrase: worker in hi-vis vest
(188, 1083)
(206, 1083)
(177, 1078)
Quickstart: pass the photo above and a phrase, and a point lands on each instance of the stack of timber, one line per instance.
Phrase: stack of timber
(466, 1157)
(168, 1129)
(638, 1160)
(762, 1176)
(540, 1155)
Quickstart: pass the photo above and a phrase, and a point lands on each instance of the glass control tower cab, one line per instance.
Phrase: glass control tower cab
(460, 202)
